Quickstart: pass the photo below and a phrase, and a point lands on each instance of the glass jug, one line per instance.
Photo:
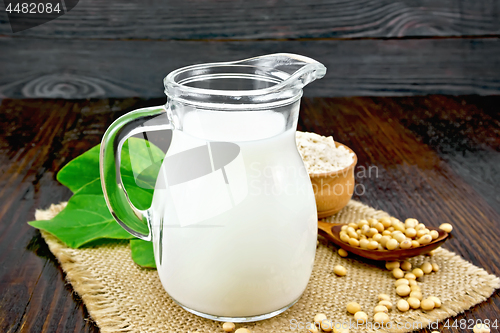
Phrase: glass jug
(233, 218)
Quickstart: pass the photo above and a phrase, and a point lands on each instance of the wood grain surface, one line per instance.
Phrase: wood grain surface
(434, 158)
(96, 68)
(122, 49)
(270, 19)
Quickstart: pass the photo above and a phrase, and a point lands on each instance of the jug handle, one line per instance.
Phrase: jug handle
(132, 219)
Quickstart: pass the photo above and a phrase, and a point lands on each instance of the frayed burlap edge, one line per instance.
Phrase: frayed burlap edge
(110, 318)
(459, 305)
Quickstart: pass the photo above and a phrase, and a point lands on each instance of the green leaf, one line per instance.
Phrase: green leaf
(81, 170)
(141, 158)
(142, 253)
(140, 163)
(86, 218)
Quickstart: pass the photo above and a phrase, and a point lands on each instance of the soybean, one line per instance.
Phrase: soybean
(426, 267)
(410, 232)
(406, 244)
(372, 232)
(414, 302)
(339, 270)
(410, 276)
(372, 245)
(353, 242)
(384, 239)
(481, 328)
(392, 244)
(326, 326)
(416, 294)
(363, 243)
(387, 304)
(353, 307)
(405, 265)
(418, 272)
(420, 226)
(446, 227)
(319, 318)
(427, 304)
(361, 317)
(343, 253)
(379, 226)
(415, 288)
(411, 223)
(437, 301)
(386, 222)
(228, 327)
(400, 237)
(344, 237)
(390, 265)
(397, 273)
(425, 239)
(403, 305)
(381, 317)
(403, 290)
(400, 282)
(423, 232)
(361, 223)
(380, 308)
(399, 226)
(352, 233)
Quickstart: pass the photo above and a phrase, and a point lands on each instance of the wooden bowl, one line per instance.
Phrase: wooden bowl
(331, 231)
(333, 190)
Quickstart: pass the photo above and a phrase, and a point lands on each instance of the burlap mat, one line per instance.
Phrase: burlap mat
(122, 297)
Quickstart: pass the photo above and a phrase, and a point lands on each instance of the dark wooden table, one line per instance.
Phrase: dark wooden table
(437, 159)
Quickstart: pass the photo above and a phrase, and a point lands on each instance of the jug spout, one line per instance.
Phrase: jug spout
(296, 71)
(259, 82)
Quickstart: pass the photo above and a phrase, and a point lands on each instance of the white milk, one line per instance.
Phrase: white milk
(240, 249)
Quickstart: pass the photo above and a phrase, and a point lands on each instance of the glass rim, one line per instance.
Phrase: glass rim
(288, 74)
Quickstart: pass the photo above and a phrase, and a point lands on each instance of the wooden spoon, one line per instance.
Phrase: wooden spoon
(331, 231)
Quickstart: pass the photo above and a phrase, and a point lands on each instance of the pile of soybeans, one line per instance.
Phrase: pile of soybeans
(389, 233)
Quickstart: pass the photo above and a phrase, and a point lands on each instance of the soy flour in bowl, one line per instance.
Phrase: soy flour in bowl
(320, 154)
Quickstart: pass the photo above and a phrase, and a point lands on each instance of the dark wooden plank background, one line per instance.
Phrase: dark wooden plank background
(271, 19)
(92, 68)
(437, 159)
(371, 47)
